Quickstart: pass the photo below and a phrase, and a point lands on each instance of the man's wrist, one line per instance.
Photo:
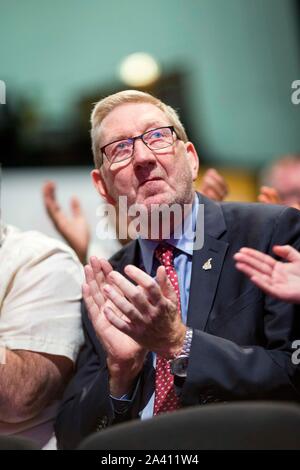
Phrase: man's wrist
(176, 345)
(187, 344)
(179, 364)
(122, 376)
(121, 385)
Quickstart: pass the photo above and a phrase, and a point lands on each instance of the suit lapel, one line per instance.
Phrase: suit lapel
(129, 255)
(204, 282)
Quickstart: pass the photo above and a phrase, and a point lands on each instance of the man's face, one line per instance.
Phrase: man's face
(150, 177)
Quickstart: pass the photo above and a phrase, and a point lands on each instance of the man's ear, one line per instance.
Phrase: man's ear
(193, 159)
(100, 185)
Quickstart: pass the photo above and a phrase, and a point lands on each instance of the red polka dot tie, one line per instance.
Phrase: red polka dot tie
(165, 397)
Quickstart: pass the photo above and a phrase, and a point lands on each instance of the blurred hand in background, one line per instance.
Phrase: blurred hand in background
(213, 185)
(73, 228)
(270, 195)
(276, 278)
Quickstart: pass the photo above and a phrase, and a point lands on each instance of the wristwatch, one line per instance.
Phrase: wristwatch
(179, 365)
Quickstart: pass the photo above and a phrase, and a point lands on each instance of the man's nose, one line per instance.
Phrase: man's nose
(142, 155)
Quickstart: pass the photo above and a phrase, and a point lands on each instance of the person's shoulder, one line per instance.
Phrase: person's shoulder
(126, 253)
(240, 216)
(33, 243)
(257, 209)
(247, 209)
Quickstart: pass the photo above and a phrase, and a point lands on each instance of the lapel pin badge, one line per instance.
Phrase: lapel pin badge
(207, 265)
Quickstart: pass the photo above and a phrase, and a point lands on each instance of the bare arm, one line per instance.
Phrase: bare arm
(29, 381)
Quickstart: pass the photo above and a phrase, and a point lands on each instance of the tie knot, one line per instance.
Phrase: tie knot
(165, 254)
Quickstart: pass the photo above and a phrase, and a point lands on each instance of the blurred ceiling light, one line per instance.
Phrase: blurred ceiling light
(139, 69)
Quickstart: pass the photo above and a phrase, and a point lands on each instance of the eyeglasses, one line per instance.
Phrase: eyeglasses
(155, 139)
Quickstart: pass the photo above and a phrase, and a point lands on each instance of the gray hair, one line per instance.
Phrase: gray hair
(106, 105)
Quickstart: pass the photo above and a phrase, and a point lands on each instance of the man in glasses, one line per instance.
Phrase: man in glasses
(74, 227)
(169, 321)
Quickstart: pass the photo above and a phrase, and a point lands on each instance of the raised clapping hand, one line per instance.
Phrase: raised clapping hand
(125, 357)
(213, 185)
(276, 278)
(117, 344)
(149, 310)
(130, 320)
(270, 195)
(75, 228)
(128, 316)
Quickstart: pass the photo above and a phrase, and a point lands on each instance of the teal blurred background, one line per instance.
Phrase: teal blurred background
(238, 59)
(227, 65)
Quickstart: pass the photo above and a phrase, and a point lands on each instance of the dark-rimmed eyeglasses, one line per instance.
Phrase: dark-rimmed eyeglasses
(155, 139)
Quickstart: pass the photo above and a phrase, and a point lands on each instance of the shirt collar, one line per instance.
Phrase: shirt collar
(183, 243)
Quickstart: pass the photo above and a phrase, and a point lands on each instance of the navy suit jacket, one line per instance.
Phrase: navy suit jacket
(242, 343)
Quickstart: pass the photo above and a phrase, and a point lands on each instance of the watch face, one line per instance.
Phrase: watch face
(179, 366)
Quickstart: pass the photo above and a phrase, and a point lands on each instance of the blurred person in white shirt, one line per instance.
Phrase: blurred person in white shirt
(40, 330)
